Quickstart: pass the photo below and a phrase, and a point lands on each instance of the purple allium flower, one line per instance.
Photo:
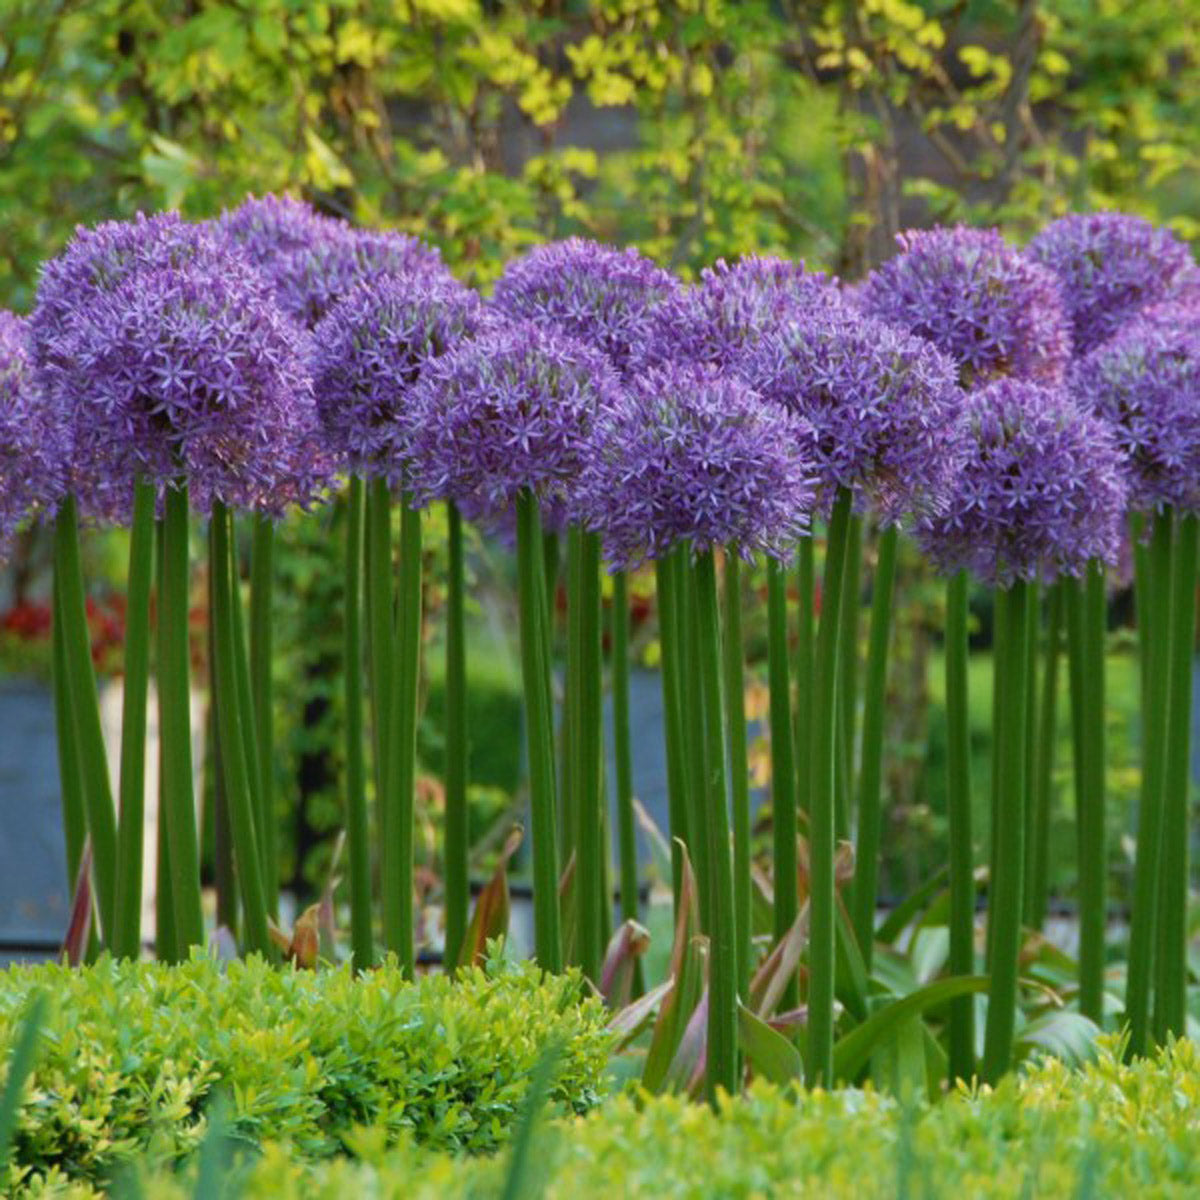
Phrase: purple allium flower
(883, 405)
(1111, 265)
(599, 294)
(185, 370)
(1145, 383)
(721, 319)
(33, 444)
(263, 228)
(1041, 494)
(370, 350)
(978, 299)
(508, 411)
(690, 456)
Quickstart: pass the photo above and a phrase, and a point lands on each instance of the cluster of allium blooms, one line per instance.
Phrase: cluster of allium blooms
(1111, 266)
(33, 443)
(507, 412)
(717, 322)
(1145, 383)
(1042, 492)
(690, 456)
(183, 370)
(981, 301)
(264, 228)
(589, 291)
(368, 354)
(883, 406)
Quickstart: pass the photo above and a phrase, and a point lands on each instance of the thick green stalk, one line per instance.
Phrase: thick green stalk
(623, 758)
(245, 699)
(1170, 1000)
(262, 572)
(1004, 902)
(722, 1058)
(1037, 855)
(381, 636)
(225, 882)
(1093, 859)
(783, 766)
(821, 839)
(85, 706)
(669, 636)
(457, 837)
(696, 733)
(806, 625)
(398, 925)
(127, 932)
(958, 804)
(175, 724)
(74, 815)
(570, 780)
(231, 715)
(1153, 632)
(165, 948)
(866, 876)
(358, 825)
(539, 729)
(739, 765)
(847, 694)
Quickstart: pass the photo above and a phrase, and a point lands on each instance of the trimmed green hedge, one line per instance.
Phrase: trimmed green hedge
(1109, 1130)
(130, 1055)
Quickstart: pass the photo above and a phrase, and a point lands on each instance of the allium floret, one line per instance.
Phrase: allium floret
(1111, 266)
(883, 406)
(690, 456)
(1041, 494)
(998, 314)
(33, 443)
(1145, 383)
(508, 411)
(597, 293)
(369, 352)
(720, 320)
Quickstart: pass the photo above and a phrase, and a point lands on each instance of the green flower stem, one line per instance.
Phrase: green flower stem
(230, 716)
(668, 636)
(358, 826)
(722, 1058)
(539, 727)
(225, 881)
(127, 931)
(623, 758)
(585, 699)
(1153, 609)
(1170, 999)
(398, 925)
(958, 803)
(783, 768)
(821, 839)
(175, 724)
(695, 718)
(85, 711)
(739, 764)
(571, 780)
(245, 699)
(866, 878)
(1093, 860)
(262, 573)
(380, 617)
(70, 775)
(1013, 624)
(847, 690)
(1037, 851)
(165, 946)
(806, 623)
(457, 836)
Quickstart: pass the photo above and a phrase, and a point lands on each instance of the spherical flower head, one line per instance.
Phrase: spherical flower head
(694, 457)
(507, 412)
(1042, 492)
(309, 280)
(979, 300)
(33, 443)
(720, 320)
(187, 375)
(263, 228)
(369, 352)
(1111, 265)
(1145, 383)
(883, 405)
(589, 291)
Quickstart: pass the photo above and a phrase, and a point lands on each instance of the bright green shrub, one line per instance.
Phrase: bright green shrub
(1110, 1130)
(131, 1054)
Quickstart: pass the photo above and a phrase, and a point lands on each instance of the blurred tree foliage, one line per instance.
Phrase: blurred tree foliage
(693, 128)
